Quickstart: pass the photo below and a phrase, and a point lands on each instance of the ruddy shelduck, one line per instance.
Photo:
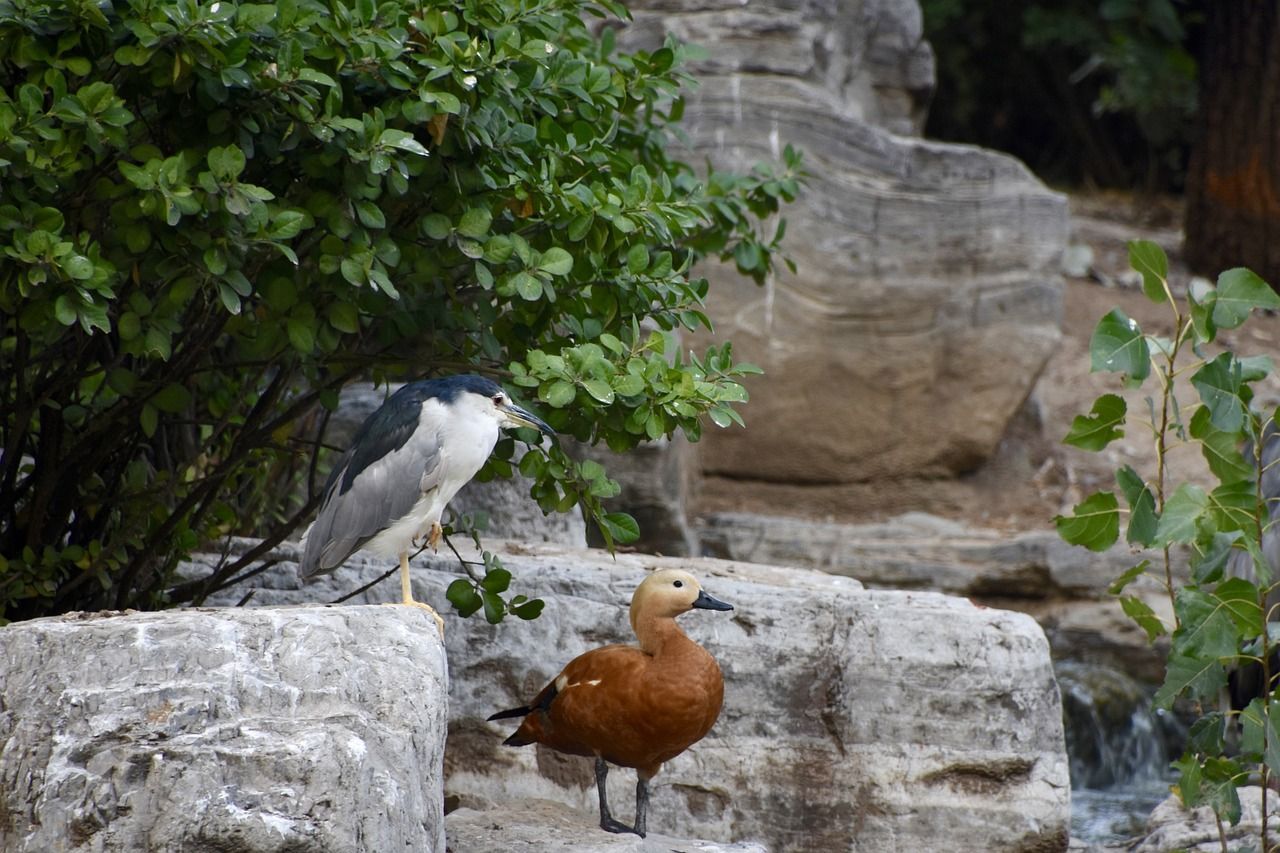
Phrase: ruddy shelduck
(632, 706)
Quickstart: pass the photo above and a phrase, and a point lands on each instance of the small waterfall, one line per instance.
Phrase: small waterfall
(1119, 748)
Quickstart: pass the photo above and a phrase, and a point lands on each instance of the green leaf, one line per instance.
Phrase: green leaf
(463, 596)
(1181, 514)
(64, 310)
(1138, 610)
(1118, 346)
(556, 261)
(1130, 575)
(1208, 559)
(344, 317)
(530, 609)
(172, 398)
(599, 389)
(1200, 677)
(370, 215)
(1240, 599)
(1142, 507)
(77, 267)
(1207, 631)
(1220, 449)
(149, 419)
(1201, 297)
(436, 226)
(1239, 292)
(527, 286)
(622, 527)
(302, 334)
(637, 258)
(1219, 383)
(496, 580)
(559, 394)
(494, 607)
(1094, 523)
(1101, 427)
(475, 222)
(1150, 260)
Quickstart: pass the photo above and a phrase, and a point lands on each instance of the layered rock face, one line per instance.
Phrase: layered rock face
(853, 719)
(306, 729)
(927, 298)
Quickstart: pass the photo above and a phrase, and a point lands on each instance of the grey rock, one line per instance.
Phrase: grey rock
(1174, 827)
(1064, 587)
(853, 719)
(920, 551)
(247, 730)
(928, 296)
(537, 825)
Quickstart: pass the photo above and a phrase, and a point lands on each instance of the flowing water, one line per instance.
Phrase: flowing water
(1119, 748)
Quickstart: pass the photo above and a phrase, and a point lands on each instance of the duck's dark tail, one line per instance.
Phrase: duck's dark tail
(522, 711)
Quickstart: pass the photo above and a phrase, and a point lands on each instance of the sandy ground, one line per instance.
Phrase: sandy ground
(1033, 476)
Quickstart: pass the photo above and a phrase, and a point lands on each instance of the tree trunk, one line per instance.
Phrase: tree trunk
(1233, 182)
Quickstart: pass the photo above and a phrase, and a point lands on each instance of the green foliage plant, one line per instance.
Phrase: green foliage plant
(213, 215)
(1221, 618)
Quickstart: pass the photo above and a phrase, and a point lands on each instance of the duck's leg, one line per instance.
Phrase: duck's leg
(406, 593)
(607, 821)
(642, 804)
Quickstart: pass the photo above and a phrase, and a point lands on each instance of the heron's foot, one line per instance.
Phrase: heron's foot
(433, 538)
(427, 607)
(609, 824)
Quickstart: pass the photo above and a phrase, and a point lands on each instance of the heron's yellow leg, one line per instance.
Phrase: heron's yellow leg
(406, 594)
(433, 538)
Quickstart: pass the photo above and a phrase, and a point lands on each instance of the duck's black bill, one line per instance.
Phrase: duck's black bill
(706, 602)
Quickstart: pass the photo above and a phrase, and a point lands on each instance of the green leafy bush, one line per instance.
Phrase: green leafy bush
(1220, 612)
(213, 215)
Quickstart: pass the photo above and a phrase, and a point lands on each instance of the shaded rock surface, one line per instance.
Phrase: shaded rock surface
(657, 480)
(927, 298)
(545, 825)
(853, 719)
(1064, 587)
(283, 730)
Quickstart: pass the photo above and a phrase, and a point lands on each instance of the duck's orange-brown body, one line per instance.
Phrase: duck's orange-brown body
(633, 706)
(629, 707)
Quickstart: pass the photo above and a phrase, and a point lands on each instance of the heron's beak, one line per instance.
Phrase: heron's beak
(706, 602)
(518, 417)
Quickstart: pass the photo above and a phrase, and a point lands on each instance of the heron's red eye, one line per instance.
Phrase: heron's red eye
(497, 399)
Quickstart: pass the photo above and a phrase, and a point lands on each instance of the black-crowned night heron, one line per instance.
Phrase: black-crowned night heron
(405, 464)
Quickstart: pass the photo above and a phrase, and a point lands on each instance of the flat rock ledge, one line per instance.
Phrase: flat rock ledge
(544, 825)
(223, 730)
(854, 719)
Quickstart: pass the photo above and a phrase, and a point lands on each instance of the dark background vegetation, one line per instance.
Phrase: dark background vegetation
(1088, 93)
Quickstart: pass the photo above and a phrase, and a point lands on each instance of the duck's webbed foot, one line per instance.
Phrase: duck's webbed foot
(607, 822)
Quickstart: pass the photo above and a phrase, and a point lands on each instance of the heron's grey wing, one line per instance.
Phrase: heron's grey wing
(393, 460)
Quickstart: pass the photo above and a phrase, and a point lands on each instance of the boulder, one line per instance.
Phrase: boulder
(853, 718)
(548, 825)
(1063, 586)
(1174, 827)
(281, 730)
(927, 297)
